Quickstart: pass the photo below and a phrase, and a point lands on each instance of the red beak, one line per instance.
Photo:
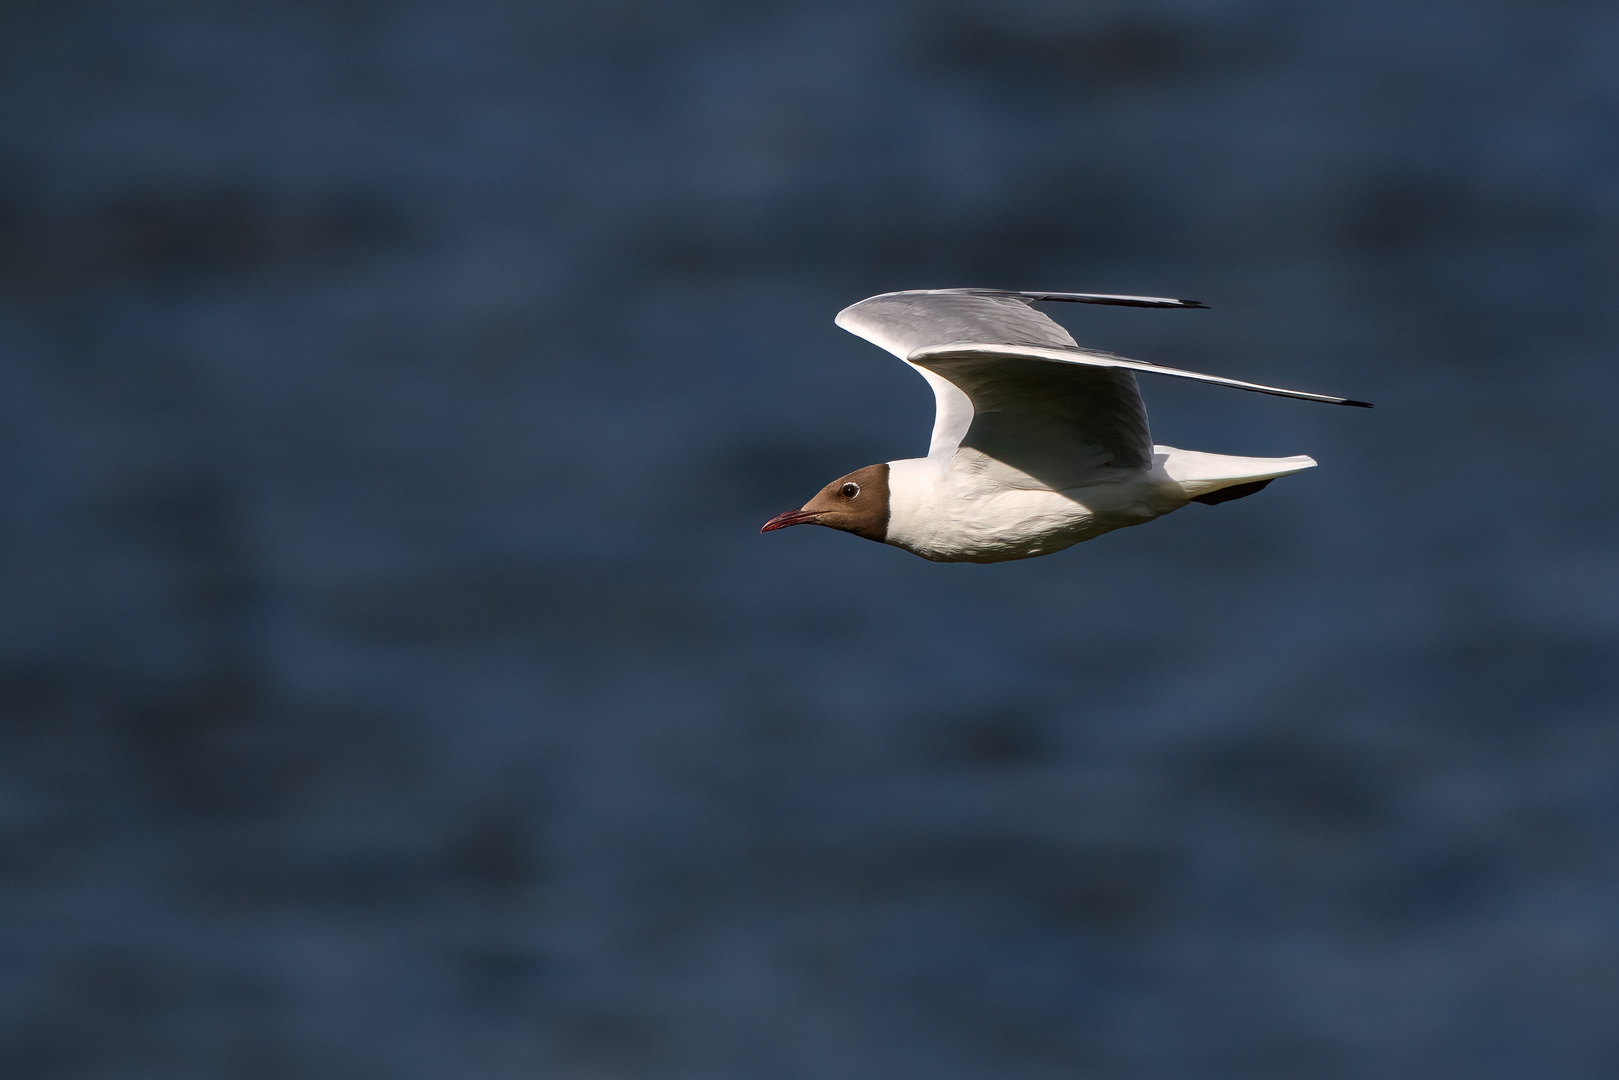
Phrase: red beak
(791, 517)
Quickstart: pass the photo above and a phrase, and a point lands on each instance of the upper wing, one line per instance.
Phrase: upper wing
(1010, 382)
(972, 354)
(1061, 423)
(903, 322)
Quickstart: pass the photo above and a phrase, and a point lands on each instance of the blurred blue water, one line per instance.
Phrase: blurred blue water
(393, 682)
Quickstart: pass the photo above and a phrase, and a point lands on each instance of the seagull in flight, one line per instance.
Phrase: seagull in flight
(1038, 443)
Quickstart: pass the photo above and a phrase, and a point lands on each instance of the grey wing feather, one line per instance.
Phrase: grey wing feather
(903, 322)
(934, 357)
(1063, 424)
(1066, 426)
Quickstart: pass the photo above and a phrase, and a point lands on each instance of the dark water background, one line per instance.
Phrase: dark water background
(394, 684)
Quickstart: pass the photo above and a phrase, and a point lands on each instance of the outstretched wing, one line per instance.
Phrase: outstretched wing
(966, 354)
(1089, 420)
(1013, 384)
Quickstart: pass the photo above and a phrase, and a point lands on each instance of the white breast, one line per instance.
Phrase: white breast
(972, 508)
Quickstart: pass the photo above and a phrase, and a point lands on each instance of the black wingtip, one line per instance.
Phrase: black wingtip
(1160, 302)
(1358, 404)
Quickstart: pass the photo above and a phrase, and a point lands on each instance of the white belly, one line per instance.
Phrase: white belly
(955, 515)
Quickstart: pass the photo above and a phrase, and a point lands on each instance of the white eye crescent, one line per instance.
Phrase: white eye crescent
(850, 490)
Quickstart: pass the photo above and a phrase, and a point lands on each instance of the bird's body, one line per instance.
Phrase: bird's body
(1037, 443)
(971, 508)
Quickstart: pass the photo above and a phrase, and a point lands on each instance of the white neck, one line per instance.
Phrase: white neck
(916, 486)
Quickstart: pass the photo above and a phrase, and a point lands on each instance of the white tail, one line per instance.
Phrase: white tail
(1201, 474)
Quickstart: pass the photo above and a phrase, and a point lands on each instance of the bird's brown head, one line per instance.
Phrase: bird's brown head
(856, 503)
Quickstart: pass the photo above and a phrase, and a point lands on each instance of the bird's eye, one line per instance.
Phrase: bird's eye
(850, 490)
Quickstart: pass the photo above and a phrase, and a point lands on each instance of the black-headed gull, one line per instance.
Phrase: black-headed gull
(1037, 442)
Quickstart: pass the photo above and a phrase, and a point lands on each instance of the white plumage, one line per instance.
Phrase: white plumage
(1037, 443)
